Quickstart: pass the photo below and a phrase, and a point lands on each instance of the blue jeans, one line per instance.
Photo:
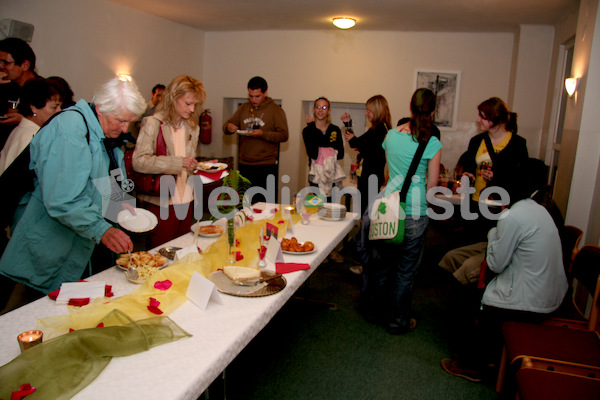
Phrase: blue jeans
(394, 268)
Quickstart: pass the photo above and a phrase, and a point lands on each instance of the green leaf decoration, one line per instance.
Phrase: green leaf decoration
(237, 182)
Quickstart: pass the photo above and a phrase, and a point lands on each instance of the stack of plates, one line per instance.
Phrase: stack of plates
(333, 211)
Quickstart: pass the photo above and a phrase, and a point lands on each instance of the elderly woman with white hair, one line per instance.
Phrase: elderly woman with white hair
(63, 219)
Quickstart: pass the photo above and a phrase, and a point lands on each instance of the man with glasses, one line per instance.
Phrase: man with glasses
(17, 64)
(262, 126)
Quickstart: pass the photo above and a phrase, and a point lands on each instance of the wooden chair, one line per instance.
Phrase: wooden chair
(572, 342)
(541, 380)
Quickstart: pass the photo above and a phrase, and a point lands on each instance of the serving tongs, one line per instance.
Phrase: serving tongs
(255, 282)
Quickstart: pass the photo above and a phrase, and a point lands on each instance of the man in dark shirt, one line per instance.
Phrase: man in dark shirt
(17, 64)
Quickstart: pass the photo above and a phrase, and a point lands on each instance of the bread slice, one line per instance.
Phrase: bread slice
(240, 274)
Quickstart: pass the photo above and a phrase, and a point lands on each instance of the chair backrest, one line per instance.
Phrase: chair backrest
(586, 283)
(570, 238)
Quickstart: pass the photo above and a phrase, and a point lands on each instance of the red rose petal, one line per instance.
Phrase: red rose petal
(71, 330)
(163, 285)
(154, 310)
(239, 256)
(153, 307)
(280, 221)
(257, 210)
(154, 302)
(100, 325)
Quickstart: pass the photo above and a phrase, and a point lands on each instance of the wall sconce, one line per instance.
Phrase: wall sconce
(344, 22)
(571, 85)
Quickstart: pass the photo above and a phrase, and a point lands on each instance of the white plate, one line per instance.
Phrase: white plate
(299, 253)
(204, 223)
(243, 133)
(224, 284)
(144, 221)
(211, 167)
(332, 218)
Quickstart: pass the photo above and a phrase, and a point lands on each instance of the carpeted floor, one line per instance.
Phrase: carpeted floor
(309, 351)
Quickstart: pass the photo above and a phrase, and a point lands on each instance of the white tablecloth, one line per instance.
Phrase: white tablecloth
(185, 368)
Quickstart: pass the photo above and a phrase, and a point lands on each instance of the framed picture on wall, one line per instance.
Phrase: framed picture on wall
(445, 85)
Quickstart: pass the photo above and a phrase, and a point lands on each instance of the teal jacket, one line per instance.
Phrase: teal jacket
(63, 220)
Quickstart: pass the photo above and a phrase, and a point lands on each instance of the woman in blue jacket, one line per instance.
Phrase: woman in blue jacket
(64, 218)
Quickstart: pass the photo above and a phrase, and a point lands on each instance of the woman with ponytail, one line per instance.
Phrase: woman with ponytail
(396, 265)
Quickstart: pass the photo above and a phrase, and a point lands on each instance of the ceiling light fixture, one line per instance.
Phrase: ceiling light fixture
(344, 22)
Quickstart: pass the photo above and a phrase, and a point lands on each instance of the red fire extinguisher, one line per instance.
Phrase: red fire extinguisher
(205, 127)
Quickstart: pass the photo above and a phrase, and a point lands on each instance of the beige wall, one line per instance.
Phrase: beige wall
(531, 72)
(88, 42)
(352, 66)
(583, 118)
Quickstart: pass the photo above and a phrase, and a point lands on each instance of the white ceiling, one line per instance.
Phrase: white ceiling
(383, 15)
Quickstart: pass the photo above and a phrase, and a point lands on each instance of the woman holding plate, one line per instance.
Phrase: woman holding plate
(177, 121)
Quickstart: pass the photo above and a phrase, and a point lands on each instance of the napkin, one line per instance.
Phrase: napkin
(215, 176)
(284, 268)
(80, 290)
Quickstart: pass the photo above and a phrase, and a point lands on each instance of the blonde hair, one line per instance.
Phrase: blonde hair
(179, 86)
(381, 111)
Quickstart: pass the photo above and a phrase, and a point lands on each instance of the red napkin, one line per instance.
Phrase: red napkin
(215, 176)
(81, 302)
(284, 268)
(24, 391)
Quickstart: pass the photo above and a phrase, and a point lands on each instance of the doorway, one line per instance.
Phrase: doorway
(559, 158)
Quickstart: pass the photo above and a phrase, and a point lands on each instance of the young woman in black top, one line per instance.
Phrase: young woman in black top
(369, 145)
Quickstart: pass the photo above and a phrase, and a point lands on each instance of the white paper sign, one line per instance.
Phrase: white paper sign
(290, 225)
(179, 254)
(201, 291)
(274, 253)
(80, 290)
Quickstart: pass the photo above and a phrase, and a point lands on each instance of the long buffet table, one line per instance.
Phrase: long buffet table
(185, 368)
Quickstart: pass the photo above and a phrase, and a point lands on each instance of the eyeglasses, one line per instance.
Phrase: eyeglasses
(5, 62)
(322, 107)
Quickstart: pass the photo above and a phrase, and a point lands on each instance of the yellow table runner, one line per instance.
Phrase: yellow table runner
(136, 304)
